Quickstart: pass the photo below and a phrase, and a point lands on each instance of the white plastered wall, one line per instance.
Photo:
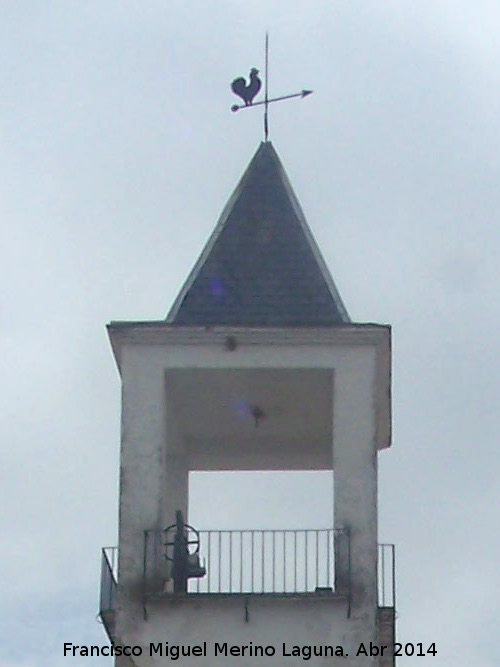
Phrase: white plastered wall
(154, 478)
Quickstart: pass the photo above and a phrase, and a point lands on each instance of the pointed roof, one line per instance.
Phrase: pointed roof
(261, 266)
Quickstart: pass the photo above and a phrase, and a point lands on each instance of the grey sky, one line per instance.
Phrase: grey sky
(119, 152)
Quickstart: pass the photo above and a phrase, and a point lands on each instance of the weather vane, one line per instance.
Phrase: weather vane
(250, 91)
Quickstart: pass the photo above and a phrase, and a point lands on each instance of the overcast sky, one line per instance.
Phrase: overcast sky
(118, 153)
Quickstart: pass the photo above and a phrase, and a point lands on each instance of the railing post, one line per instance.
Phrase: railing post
(104, 602)
(107, 600)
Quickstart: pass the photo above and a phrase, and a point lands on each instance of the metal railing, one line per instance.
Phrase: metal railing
(109, 566)
(258, 561)
(266, 561)
(386, 575)
(255, 562)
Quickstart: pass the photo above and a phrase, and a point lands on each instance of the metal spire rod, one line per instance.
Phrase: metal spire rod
(249, 91)
(266, 100)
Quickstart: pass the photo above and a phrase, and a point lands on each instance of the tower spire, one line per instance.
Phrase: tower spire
(261, 267)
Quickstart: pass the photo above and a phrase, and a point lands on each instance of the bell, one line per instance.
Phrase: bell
(194, 567)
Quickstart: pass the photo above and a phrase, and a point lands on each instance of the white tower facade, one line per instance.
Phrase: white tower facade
(257, 367)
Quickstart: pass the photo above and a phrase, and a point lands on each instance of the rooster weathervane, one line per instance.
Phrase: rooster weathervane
(250, 91)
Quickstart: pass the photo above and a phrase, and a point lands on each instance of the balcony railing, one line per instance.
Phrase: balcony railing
(256, 561)
(267, 561)
(109, 568)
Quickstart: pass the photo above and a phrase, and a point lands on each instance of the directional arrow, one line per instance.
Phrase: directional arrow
(302, 94)
(249, 93)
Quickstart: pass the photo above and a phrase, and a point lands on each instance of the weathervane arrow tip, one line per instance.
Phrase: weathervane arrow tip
(305, 93)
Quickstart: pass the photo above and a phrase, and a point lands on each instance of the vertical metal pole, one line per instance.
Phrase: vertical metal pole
(230, 561)
(262, 558)
(305, 557)
(220, 559)
(295, 561)
(198, 578)
(252, 554)
(241, 561)
(328, 558)
(209, 556)
(266, 99)
(274, 561)
(317, 558)
(284, 561)
(382, 547)
(104, 583)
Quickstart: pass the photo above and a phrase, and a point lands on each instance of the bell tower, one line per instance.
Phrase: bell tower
(256, 367)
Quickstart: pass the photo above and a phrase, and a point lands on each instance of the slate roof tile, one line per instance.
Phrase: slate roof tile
(261, 266)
